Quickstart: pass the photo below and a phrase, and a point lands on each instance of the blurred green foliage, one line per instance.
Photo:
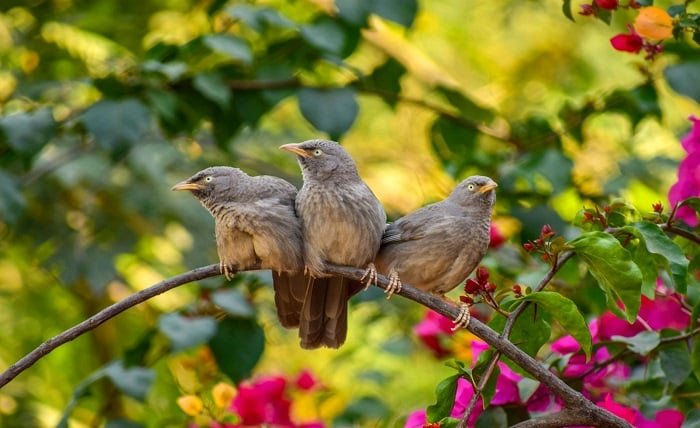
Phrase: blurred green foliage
(105, 104)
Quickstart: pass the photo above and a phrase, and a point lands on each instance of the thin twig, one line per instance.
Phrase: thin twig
(102, 316)
(681, 232)
(479, 389)
(510, 322)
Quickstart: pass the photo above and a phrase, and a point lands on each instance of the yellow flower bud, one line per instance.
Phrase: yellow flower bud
(223, 393)
(653, 23)
(190, 404)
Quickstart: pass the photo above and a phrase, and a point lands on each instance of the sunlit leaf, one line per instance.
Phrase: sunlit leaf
(445, 398)
(566, 313)
(612, 265)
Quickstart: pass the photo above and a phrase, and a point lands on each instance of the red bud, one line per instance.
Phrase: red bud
(471, 286)
(482, 275)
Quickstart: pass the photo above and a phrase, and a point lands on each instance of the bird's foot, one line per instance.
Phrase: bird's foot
(463, 317)
(227, 271)
(394, 284)
(371, 275)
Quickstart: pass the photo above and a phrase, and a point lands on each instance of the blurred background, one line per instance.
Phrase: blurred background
(106, 104)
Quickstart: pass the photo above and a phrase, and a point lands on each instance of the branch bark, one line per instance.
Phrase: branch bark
(572, 399)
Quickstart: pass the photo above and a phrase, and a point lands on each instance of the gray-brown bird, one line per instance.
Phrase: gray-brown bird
(342, 223)
(436, 247)
(255, 224)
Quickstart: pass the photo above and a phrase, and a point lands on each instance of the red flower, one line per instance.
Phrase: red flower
(688, 184)
(627, 43)
(497, 238)
(607, 4)
(306, 381)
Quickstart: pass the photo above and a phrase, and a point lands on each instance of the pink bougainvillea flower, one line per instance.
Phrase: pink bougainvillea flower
(416, 419)
(627, 42)
(306, 381)
(497, 238)
(617, 409)
(688, 184)
(432, 331)
(668, 418)
(465, 393)
(263, 401)
(665, 311)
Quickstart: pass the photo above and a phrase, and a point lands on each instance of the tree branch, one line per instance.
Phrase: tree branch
(681, 232)
(563, 418)
(572, 399)
(105, 314)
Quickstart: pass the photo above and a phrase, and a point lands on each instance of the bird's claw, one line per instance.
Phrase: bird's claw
(394, 285)
(227, 271)
(463, 318)
(371, 275)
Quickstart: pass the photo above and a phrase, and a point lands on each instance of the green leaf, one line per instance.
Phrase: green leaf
(637, 103)
(332, 111)
(28, 132)
(494, 417)
(231, 46)
(541, 171)
(684, 78)
(445, 399)
(526, 388)
(12, 203)
(566, 9)
(529, 333)
(233, 302)
(642, 343)
(565, 312)
(692, 419)
(657, 242)
(650, 272)
(387, 79)
(117, 125)
(612, 266)
(454, 145)
(134, 381)
(693, 203)
(237, 347)
(675, 362)
(259, 18)
(399, 11)
(467, 107)
(123, 423)
(185, 332)
(213, 87)
(327, 35)
(353, 12)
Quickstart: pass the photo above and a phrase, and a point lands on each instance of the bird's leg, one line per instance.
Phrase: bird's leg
(394, 284)
(463, 317)
(226, 270)
(370, 274)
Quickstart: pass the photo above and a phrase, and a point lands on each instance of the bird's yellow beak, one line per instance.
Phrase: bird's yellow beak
(486, 187)
(185, 185)
(296, 149)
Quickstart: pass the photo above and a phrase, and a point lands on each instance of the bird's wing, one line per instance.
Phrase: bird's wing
(415, 225)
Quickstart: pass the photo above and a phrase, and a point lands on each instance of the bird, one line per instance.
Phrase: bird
(342, 223)
(436, 247)
(255, 225)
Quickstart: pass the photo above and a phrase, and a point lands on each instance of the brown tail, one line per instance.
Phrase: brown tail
(324, 317)
(290, 290)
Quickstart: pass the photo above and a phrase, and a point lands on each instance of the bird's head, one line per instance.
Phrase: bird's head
(211, 183)
(476, 190)
(321, 159)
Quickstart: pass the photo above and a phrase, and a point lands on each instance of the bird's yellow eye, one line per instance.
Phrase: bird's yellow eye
(471, 187)
(318, 152)
(208, 178)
